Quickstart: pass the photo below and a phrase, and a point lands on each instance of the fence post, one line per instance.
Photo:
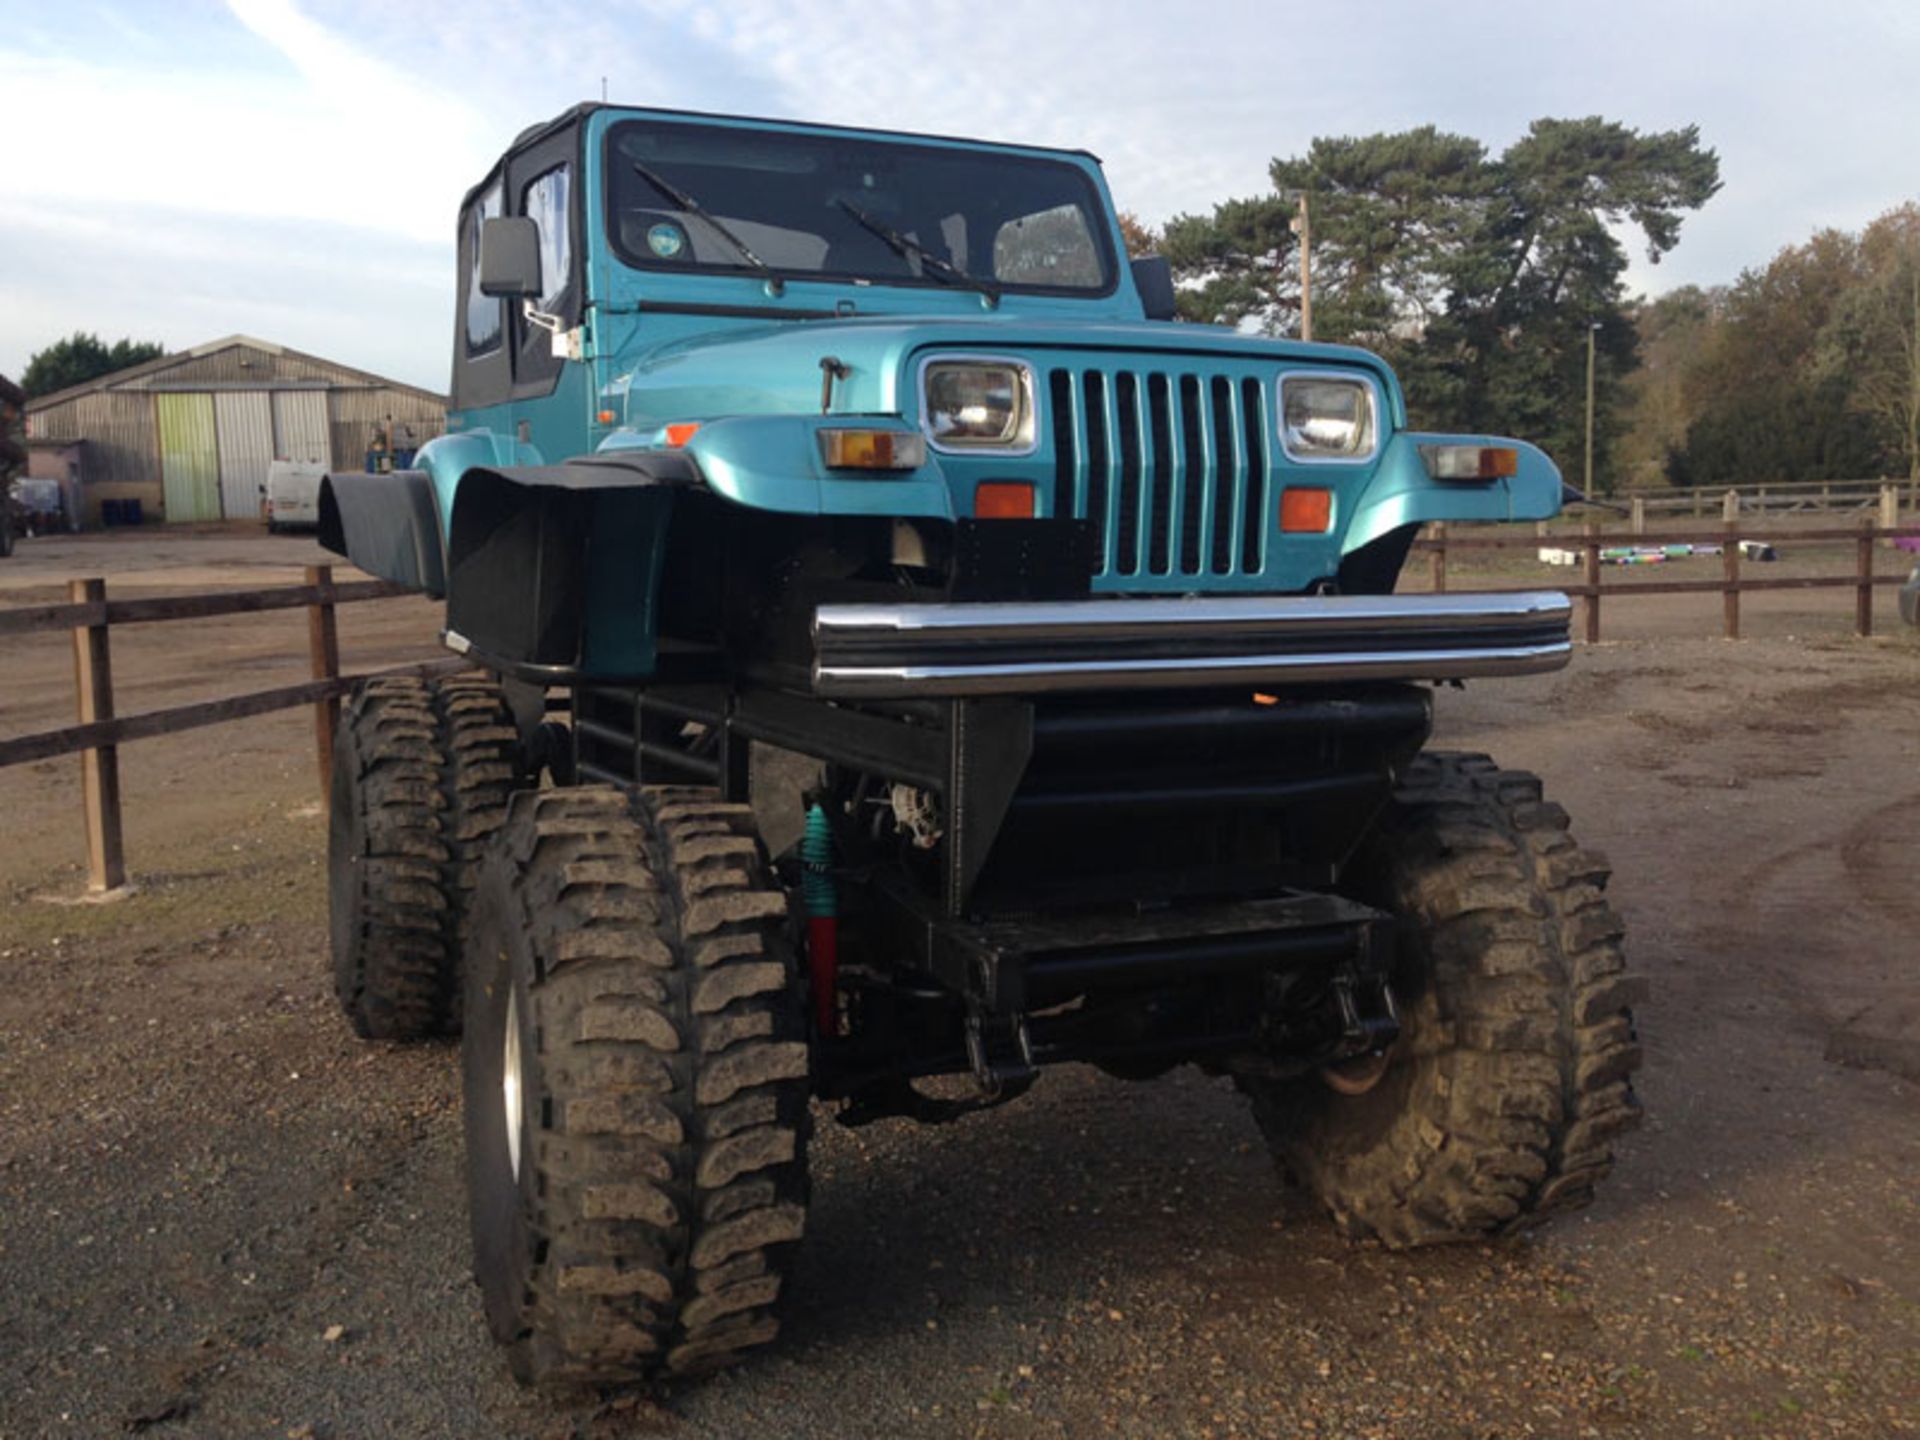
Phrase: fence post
(323, 646)
(1863, 572)
(1890, 508)
(1639, 514)
(1730, 567)
(1592, 563)
(1439, 557)
(1698, 506)
(1730, 507)
(100, 766)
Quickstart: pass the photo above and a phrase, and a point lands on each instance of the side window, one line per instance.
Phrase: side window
(1053, 247)
(544, 202)
(483, 311)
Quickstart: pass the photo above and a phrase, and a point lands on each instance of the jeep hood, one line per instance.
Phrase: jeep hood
(777, 369)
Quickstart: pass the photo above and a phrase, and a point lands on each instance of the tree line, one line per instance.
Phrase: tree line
(81, 357)
(1478, 276)
(1805, 369)
(1481, 276)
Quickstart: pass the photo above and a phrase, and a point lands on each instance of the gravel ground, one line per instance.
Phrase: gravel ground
(221, 1216)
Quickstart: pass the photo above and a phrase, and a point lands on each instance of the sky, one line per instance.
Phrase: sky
(290, 169)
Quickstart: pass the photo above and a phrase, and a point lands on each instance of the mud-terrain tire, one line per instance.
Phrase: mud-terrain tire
(1513, 1073)
(422, 770)
(636, 1191)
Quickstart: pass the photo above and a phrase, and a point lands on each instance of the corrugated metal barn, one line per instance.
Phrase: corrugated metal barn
(191, 435)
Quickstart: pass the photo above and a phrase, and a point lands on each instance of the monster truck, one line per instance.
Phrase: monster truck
(901, 653)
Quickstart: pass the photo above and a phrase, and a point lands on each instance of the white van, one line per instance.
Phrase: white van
(293, 494)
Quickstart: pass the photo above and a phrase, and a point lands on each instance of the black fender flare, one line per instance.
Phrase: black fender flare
(387, 525)
(553, 570)
(487, 495)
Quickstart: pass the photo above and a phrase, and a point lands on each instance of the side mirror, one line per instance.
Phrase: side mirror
(1152, 277)
(510, 256)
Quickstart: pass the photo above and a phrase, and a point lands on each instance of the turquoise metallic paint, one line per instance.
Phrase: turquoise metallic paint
(446, 458)
(755, 384)
(776, 368)
(1400, 492)
(1287, 562)
(618, 333)
(773, 462)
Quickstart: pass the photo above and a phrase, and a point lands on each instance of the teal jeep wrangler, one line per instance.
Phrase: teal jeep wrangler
(903, 655)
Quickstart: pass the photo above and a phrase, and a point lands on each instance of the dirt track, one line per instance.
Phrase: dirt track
(200, 1172)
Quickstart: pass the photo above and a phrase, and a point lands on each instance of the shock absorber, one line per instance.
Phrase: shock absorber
(821, 901)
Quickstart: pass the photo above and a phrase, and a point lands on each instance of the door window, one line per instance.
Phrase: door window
(483, 311)
(544, 202)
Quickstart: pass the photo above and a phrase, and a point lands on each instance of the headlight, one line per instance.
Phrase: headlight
(1324, 417)
(977, 404)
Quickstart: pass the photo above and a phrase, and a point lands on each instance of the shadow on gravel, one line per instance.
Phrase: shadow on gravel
(1044, 1204)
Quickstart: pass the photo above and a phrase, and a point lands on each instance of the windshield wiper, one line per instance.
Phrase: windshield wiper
(693, 207)
(910, 249)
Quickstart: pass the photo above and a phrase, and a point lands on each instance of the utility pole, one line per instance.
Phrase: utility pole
(1302, 227)
(1592, 330)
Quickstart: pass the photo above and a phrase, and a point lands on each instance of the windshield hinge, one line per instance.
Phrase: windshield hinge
(567, 344)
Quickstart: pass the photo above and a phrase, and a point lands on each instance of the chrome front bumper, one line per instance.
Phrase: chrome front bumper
(897, 652)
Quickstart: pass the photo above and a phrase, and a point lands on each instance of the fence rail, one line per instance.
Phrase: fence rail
(1787, 498)
(89, 615)
(1731, 584)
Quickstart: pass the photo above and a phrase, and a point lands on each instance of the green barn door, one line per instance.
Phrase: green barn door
(189, 457)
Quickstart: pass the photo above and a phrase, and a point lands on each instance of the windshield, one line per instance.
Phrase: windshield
(832, 208)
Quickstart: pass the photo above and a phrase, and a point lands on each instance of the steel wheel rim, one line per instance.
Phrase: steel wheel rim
(510, 1082)
(1358, 1074)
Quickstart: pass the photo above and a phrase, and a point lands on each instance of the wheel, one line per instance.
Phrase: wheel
(635, 1067)
(422, 770)
(1512, 1076)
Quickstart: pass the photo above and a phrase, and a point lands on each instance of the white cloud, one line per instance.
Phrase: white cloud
(294, 165)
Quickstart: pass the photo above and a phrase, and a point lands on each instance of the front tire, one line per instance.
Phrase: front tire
(422, 770)
(635, 1067)
(1513, 1072)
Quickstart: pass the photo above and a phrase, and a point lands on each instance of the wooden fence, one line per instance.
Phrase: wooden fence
(1790, 498)
(88, 614)
(99, 733)
(1733, 581)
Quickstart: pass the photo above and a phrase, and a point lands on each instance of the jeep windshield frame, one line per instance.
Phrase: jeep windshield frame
(1002, 222)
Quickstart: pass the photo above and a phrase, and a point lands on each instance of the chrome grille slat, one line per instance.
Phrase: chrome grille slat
(1169, 466)
(1254, 506)
(1135, 446)
(1195, 488)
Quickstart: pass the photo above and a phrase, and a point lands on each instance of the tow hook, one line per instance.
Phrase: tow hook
(994, 1072)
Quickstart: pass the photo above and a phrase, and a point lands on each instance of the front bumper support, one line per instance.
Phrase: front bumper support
(907, 651)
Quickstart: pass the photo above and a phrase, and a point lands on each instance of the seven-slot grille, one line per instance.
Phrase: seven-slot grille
(1171, 468)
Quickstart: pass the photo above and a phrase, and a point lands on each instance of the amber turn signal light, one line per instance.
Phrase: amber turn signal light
(1306, 510)
(1470, 462)
(681, 431)
(1003, 500)
(873, 449)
